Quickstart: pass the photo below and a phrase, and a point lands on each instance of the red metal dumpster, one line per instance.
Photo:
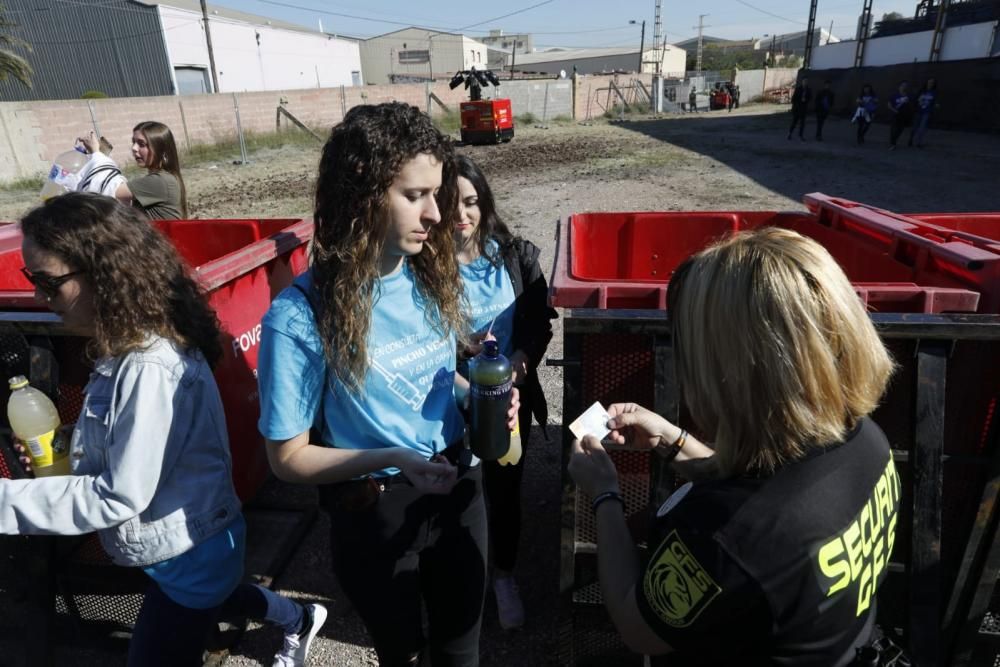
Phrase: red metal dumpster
(241, 264)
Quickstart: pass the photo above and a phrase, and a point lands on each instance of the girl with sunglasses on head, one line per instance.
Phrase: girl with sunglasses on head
(506, 290)
(362, 351)
(150, 453)
(160, 194)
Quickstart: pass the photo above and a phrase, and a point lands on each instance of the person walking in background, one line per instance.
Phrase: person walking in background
(864, 115)
(359, 393)
(506, 293)
(901, 107)
(736, 95)
(801, 97)
(824, 104)
(693, 100)
(926, 103)
(731, 90)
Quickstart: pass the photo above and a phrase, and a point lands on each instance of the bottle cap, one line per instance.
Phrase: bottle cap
(491, 348)
(18, 382)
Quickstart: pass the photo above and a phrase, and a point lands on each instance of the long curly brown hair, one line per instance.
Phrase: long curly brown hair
(360, 160)
(140, 284)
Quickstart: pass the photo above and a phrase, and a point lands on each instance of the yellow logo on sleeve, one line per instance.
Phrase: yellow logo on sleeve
(676, 586)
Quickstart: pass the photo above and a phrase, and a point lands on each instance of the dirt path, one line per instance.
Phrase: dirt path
(712, 161)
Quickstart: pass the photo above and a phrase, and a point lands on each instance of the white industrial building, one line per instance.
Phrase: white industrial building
(962, 42)
(420, 54)
(601, 61)
(252, 52)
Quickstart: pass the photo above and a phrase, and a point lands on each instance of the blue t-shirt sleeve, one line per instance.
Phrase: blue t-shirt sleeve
(290, 368)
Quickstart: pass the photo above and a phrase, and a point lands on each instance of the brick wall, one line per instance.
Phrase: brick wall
(33, 133)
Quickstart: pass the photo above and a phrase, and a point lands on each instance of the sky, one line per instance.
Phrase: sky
(573, 23)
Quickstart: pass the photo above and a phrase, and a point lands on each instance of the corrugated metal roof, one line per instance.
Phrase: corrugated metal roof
(557, 55)
(114, 47)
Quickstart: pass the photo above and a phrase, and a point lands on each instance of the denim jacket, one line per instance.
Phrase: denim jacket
(152, 471)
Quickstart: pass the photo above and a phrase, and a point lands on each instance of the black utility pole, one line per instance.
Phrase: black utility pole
(211, 53)
(642, 43)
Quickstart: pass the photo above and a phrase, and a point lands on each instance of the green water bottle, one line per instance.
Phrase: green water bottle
(490, 385)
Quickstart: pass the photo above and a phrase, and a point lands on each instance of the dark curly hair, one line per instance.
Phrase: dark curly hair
(490, 224)
(361, 159)
(140, 284)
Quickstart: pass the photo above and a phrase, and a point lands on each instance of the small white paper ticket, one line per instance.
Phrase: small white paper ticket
(592, 422)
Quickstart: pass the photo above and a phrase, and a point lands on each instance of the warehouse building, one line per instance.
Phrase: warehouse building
(128, 48)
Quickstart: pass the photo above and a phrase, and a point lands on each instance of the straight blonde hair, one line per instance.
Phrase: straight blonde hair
(776, 354)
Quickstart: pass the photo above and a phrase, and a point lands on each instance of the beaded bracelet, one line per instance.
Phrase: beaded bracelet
(604, 497)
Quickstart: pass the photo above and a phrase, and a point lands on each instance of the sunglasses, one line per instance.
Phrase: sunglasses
(46, 284)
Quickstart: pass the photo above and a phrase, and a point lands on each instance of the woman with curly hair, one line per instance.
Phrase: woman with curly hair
(506, 290)
(152, 473)
(160, 194)
(362, 351)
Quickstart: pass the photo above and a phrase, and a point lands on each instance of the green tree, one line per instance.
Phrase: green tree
(715, 59)
(892, 16)
(11, 64)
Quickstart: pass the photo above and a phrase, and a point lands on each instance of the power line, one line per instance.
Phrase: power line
(514, 13)
(764, 11)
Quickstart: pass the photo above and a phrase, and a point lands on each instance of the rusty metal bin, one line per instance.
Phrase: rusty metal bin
(940, 414)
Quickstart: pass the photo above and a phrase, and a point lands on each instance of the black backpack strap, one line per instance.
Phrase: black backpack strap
(109, 169)
(316, 432)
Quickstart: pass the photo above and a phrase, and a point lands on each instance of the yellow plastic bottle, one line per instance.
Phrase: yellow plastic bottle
(35, 421)
(513, 454)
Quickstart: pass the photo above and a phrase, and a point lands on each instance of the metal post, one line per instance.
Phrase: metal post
(940, 24)
(239, 132)
(545, 107)
(208, 42)
(642, 45)
(701, 27)
(865, 28)
(184, 124)
(513, 52)
(810, 34)
(93, 118)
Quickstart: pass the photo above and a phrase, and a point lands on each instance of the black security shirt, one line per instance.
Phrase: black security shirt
(779, 570)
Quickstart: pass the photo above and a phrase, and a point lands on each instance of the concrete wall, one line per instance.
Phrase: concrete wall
(753, 82)
(591, 99)
(960, 43)
(283, 59)
(33, 133)
(968, 90)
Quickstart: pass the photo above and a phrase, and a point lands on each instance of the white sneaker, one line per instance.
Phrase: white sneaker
(510, 609)
(296, 648)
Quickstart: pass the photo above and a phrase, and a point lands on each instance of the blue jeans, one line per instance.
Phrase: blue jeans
(168, 634)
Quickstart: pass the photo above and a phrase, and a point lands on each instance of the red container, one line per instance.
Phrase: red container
(624, 260)
(936, 252)
(487, 121)
(242, 265)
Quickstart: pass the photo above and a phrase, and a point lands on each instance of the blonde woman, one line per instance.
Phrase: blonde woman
(773, 554)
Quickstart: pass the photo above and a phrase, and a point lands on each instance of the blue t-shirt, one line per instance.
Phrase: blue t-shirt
(490, 294)
(901, 103)
(204, 576)
(925, 101)
(408, 395)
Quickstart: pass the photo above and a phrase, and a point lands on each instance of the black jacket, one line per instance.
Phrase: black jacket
(532, 320)
(801, 97)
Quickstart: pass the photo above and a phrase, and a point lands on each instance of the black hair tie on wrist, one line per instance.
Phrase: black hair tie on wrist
(604, 497)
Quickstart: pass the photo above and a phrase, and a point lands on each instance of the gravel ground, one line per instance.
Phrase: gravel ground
(717, 161)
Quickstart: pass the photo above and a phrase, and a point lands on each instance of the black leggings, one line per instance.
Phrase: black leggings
(503, 493)
(896, 131)
(798, 118)
(863, 126)
(408, 548)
